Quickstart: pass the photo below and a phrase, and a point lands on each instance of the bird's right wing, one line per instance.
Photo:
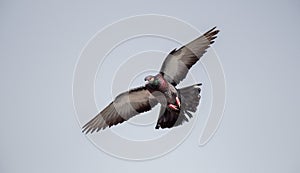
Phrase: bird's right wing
(125, 106)
(177, 64)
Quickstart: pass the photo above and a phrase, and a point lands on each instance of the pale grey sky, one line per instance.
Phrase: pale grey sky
(259, 50)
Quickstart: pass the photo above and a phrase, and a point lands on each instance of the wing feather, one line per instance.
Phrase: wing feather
(125, 106)
(177, 64)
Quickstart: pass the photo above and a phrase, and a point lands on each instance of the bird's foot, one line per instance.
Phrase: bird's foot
(171, 106)
(178, 102)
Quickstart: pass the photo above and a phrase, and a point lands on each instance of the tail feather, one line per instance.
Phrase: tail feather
(190, 98)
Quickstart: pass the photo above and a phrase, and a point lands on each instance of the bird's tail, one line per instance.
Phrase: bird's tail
(189, 98)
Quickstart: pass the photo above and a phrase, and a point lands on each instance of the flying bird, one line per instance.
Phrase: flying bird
(177, 105)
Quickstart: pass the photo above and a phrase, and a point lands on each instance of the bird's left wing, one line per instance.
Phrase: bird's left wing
(125, 106)
(177, 64)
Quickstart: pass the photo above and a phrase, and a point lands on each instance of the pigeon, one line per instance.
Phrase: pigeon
(177, 105)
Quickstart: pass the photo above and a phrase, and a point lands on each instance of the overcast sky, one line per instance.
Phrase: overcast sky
(40, 43)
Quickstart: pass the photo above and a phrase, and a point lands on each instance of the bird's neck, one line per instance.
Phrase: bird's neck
(163, 85)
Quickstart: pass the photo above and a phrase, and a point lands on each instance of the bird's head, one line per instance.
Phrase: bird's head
(151, 81)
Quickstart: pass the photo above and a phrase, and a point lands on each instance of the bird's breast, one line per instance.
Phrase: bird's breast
(165, 97)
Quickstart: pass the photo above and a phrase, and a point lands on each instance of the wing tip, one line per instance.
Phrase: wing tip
(212, 33)
(89, 129)
(85, 130)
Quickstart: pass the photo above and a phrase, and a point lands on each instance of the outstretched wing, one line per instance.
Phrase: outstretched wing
(177, 64)
(125, 106)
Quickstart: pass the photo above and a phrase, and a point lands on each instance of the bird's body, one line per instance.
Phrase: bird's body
(177, 105)
(162, 90)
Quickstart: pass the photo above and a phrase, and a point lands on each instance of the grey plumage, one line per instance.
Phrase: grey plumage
(177, 105)
(125, 106)
(176, 65)
(190, 100)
